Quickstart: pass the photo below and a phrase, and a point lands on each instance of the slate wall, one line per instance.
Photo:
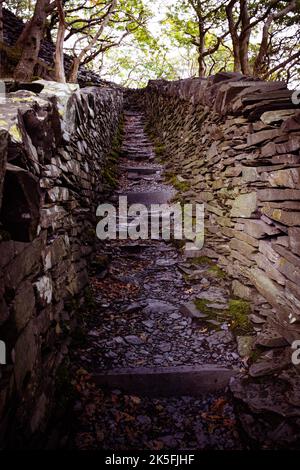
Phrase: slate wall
(236, 142)
(55, 147)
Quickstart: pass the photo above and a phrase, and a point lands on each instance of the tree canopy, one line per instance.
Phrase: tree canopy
(131, 41)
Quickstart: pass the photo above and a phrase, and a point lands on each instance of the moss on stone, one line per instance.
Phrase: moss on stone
(237, 314)
(109, 177)
(3, 123)
(217, 271)
(15, 133)
(213, 314)
(255, 355)
(238, 311)
(181, 186)
(109, 173)
(159, 150)
(201, 260)
(203, 306)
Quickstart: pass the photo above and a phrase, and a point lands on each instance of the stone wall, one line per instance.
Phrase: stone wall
(237, 144)
(55, 147)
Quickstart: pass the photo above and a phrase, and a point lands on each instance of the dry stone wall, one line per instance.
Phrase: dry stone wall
(236, 142)
(55, 147)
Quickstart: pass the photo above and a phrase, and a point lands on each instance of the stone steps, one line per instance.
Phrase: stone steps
(167, 381)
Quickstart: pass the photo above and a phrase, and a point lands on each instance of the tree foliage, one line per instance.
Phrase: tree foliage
(134, 40)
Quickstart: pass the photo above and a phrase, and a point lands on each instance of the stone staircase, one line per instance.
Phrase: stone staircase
(146, 341)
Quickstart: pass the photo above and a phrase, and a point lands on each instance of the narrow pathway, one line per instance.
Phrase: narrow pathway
(145, 318)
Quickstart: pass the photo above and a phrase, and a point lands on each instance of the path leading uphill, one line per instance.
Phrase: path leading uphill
(154, 368)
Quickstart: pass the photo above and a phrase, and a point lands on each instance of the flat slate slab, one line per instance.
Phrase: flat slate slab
(167, 381)
(149, 197)
(141, 170)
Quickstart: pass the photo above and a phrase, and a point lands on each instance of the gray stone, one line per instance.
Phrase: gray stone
(270, 366)
(26, 354)
(245, 345)
(270, 338)
(259, 229)
(134, 340)
(23, 305)
(278, 194)
(262, 136)
(244, 205)
(167, 381)
(294, 239)
(189, 309)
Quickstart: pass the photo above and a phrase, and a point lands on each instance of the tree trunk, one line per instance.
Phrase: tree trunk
(244, 38)
(32, 42)
(234, 35)
(77, 60)
(74, 70)
(260, 65)
(244, 56)
(260, 61)
(59, 49)
(201, 48)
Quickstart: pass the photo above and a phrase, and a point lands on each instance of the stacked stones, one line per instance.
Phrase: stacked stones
(237, 143)
(54, 149)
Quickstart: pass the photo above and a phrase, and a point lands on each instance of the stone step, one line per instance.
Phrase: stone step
(149, 197)
(167, 381)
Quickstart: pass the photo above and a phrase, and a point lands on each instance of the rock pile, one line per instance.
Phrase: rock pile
(55, 149)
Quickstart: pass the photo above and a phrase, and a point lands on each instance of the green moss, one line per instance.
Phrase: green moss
(181, 186)
(159, 150)
(255, 355)
(109, 173)
(201, 260)
(203, 306)
(15, 133)
(109, 177)
(217, 271)
(238, 311)
(237, 314)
